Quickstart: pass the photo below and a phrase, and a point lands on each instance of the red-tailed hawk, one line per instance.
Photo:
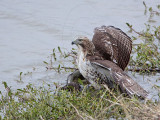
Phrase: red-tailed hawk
(98, 71)
(110, 44)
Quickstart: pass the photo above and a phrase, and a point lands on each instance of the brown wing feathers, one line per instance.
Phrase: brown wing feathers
(127, 84)
(113, 44)
(115, 47)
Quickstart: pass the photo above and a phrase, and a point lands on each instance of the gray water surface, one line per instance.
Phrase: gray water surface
(30, 29)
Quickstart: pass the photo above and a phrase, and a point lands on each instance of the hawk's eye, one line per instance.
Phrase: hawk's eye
(80, 39)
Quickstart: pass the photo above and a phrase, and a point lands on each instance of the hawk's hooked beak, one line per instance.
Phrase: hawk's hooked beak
(76, 42)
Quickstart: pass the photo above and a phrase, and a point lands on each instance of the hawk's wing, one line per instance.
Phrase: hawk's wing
(118, 76)
(113, 44)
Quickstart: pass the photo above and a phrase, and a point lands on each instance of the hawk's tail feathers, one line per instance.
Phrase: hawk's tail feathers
(128, 85)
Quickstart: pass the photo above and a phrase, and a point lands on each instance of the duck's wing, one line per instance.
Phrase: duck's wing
(113, 44)
(119, 77)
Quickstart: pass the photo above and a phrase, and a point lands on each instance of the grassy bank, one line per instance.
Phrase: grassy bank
(88, 104)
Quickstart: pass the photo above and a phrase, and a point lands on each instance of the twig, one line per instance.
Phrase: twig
(77, 111)
(137, 32)
(138, 70)
(102, 112)
(41, 117)
(61, 67)
(68, 68)
(141, 34)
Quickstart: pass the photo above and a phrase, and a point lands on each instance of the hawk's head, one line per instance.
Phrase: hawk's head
(85, 44)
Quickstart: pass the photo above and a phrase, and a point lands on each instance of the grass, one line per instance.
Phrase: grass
(88, 104)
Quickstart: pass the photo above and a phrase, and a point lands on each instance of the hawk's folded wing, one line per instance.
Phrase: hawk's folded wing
(119, 77)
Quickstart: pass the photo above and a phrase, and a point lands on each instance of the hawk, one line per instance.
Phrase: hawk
(99, 71)
(111, 44)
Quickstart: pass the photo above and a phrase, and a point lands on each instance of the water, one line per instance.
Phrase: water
(31, 29)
